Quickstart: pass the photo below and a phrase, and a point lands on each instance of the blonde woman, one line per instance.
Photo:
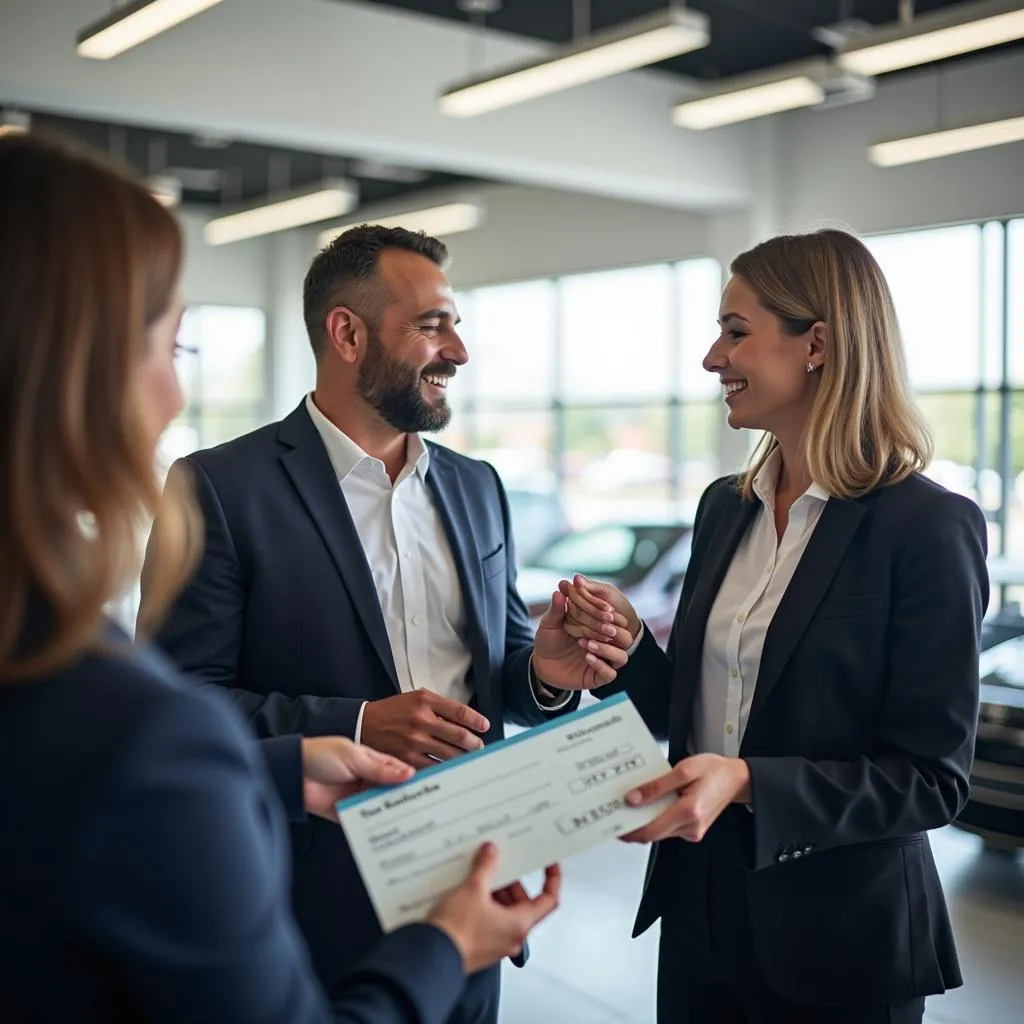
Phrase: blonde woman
(144, 857)
(820, 688)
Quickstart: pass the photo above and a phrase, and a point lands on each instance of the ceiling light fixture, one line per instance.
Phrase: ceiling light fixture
(328, 199)
(636, 44)
(949, 32)
(745, 97)
(946, 143)
(14, 122)
(134, 23)
(440, 220)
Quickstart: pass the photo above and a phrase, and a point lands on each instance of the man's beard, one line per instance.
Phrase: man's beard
(394, 390)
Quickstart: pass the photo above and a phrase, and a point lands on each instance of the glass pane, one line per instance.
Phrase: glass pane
(701, 427)
(538, 518)
(617, 465)
(509, 332)
(935, 278)
(186, 366)
(457, 435)
(616, 330)
(952, 418)
(1015, 283)
(519, 445)
(992, 306)
(230, 340)
(181, 438)
(1015, 509)
(700, 288)
(463, 385)
(990, 483)
(217, 426)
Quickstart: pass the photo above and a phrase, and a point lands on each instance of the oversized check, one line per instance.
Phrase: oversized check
(540, 796)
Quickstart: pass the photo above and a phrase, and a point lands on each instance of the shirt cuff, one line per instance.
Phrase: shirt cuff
(636, 643)
(357, 738)
(546, 698)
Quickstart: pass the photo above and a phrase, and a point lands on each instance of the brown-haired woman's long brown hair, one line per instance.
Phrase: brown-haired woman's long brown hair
(88, 261)
(865, 430)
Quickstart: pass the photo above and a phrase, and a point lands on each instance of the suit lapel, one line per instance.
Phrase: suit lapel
(815, 572)
(309, 466)
(458, 525)
(728, 530)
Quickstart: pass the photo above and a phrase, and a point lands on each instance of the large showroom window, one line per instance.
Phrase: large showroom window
(586, 392)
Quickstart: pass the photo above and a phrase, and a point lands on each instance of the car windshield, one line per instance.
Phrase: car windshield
(624, 554)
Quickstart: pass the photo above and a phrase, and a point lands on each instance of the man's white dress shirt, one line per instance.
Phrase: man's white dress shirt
(754, 584)
(412, 565)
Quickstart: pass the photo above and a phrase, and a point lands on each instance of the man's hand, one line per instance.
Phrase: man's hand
(334, 768)
(565, 663)
(706, 784)
(422, 727)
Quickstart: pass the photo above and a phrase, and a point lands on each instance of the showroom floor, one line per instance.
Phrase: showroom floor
(586, 970)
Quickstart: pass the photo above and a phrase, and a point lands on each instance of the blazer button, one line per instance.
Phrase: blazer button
(807, 849)
(797, 853)
(782, 857)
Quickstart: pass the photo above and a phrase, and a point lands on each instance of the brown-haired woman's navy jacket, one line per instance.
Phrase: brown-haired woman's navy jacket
(860, 739)
(144, 864)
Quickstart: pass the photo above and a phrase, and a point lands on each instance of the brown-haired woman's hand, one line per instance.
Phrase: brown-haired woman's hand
(487, 926)
(599, 613)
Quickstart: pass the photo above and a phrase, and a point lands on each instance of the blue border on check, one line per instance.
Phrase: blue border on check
(426, 773)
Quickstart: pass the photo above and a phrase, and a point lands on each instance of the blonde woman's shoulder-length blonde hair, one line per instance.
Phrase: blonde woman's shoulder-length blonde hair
(865, 430)
(89, 260)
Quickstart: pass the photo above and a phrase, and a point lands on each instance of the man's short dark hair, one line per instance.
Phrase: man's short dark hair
(344, 273)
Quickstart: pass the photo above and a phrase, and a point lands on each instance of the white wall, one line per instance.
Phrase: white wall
(293, 369)
(227, 275)
(539, 232)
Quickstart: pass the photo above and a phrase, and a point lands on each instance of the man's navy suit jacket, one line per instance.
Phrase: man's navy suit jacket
(283, 612)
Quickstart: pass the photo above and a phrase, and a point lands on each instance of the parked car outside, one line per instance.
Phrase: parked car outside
(646, 561)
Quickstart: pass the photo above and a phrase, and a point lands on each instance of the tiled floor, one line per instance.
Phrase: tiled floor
(586, 970)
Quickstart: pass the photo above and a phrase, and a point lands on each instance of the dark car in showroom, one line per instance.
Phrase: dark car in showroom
(646, 561)
(995, 808)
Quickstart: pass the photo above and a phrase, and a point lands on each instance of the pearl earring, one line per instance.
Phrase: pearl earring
(810, 367)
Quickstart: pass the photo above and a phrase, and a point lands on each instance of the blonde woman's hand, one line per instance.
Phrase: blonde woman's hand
(565, 663)
(703, 786)
(599, 613)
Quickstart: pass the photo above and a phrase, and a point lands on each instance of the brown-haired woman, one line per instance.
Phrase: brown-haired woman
(143, 866)
(820, 687)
